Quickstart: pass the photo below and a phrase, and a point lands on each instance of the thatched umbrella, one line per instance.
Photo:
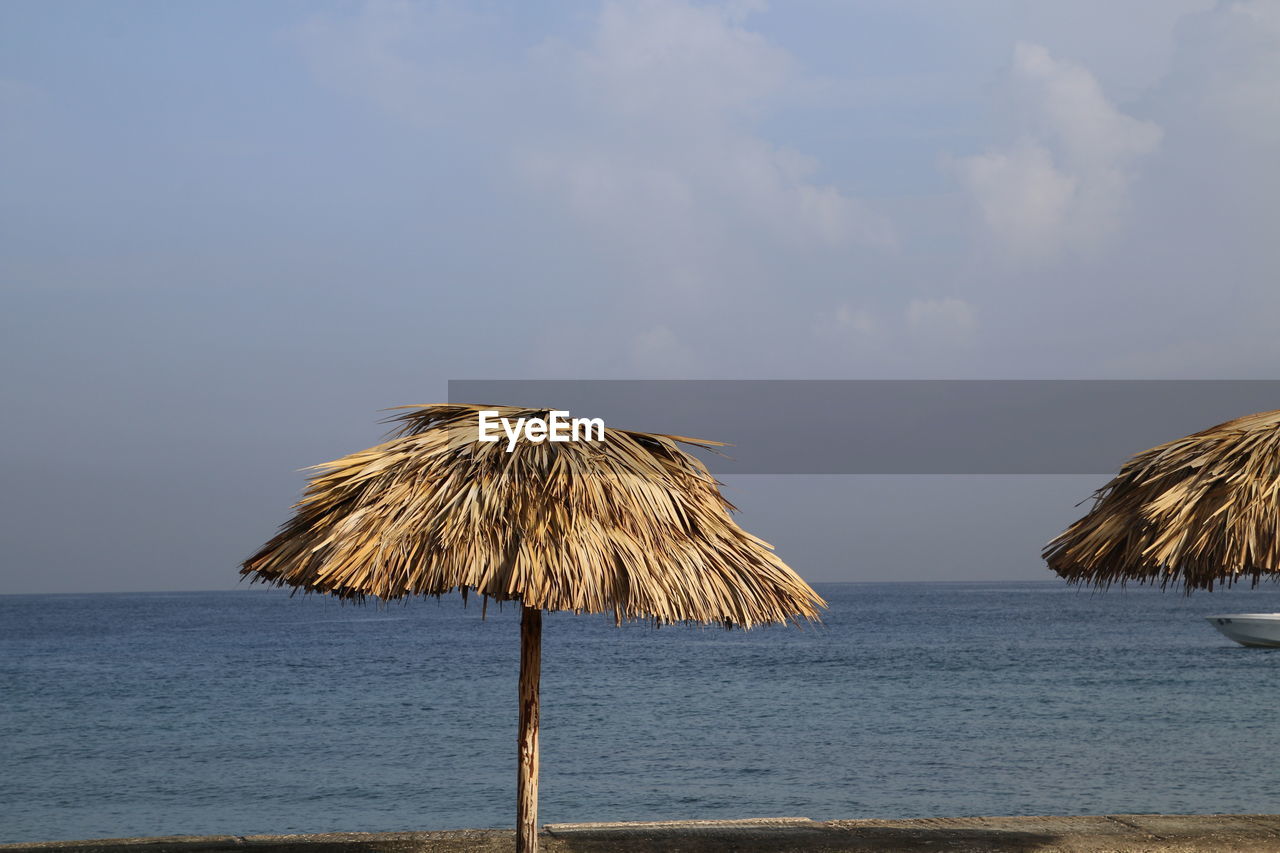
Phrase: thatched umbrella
(1195, 512)
(630, 525)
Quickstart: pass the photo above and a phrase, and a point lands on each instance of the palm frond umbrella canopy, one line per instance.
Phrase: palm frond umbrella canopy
(1200, 511)
(631, 525)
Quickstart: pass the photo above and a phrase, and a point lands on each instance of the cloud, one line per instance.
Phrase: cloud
(432, 63)
(657, 176)
(846, 324)
(664, 158)
(1226, 77)
(1063, 183)
(664, 59)
(859, 321)
(948, 322)
(928, 325)
(1024, 200)
(643, 129)
(633, 146)
(1064, 103)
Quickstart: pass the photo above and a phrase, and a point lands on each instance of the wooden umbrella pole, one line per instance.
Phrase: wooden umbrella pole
(527, 772)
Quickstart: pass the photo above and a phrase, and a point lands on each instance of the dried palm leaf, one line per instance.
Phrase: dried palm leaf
(1200, 511)
(631, 525)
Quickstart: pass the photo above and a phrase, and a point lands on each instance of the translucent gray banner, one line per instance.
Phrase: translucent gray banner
(899, 426)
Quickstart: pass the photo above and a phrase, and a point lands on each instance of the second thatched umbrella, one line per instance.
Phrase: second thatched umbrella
(630, 525)
(1196, 512)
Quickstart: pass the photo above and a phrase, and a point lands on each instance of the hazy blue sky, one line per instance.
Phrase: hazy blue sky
(231, 232)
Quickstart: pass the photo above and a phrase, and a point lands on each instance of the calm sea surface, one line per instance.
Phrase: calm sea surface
(253, 712)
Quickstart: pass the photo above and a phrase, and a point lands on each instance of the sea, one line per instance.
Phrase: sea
(254, 711)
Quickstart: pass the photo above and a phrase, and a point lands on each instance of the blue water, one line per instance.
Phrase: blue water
(253, 712)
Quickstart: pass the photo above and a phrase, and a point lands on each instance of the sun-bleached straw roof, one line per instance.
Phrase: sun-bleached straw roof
(632, 525)
(1198, 512)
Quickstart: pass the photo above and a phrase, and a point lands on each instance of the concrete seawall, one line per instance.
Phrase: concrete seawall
(1100, 834)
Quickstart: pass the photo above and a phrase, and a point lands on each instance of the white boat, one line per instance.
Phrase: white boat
(1249, 629)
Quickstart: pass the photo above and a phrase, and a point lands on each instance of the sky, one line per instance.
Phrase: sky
(232, 233)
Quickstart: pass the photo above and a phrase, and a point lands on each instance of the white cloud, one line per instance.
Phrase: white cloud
(431, 63)
(665, 59)
(1064, 182)
(1023, 198)
(1064, 103)
(664, 157)
(859, 326)
(1227, 77)
(858, 321)
(927, 325)
(643, 178)
(635, 152)
(1129, 54)
(949, 322)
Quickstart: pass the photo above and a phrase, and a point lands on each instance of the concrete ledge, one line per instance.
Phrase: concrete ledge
(1088, 834)
(678, 825)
